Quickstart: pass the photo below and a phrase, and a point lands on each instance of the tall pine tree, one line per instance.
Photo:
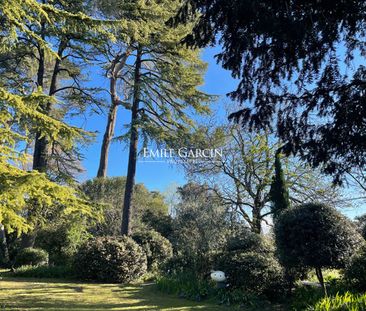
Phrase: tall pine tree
(22, 113)
(160, 80)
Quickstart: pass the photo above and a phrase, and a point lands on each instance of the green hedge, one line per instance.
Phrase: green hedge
(56, 272)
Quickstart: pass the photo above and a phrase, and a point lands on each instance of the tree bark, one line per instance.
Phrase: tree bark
(319, 274)
(256, 224)
(108, 135)
(39, 158)
(117, 66)
(256, 213)
(41, 146)
(4, 252)
(131, 170)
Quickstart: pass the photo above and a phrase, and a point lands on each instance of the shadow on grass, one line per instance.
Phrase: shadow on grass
(53, 295)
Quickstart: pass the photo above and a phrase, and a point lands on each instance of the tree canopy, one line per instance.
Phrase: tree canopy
(242, 175)
(296, 61)
(110, 192)
(21, 114)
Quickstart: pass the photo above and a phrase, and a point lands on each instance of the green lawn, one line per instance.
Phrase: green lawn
(34, 294)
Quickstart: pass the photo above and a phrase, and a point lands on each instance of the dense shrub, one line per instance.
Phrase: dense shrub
(61, 241)
(158, 221)
(355, 272)
(110, 259)
(361, 225)
(189, 263)
(316, 236)
(245, 240)
(157, 248)
(31, 257)
(186, 285)
(252, 272)
(200, 228)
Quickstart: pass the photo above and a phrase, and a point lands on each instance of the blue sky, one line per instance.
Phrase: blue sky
(156, 176)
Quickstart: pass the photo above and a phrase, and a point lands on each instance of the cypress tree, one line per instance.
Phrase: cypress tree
(279, 193)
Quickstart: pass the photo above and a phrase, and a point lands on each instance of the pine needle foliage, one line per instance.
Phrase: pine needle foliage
(21, 189)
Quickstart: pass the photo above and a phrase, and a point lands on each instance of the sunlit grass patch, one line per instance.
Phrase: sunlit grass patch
(33, 294)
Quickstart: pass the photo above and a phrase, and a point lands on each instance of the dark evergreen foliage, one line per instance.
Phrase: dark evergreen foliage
(250, 265)
(279, 193)
(157, 248)
(355, 272)
(31, 257)
(315, 236)
(290, 57)
(110, 259)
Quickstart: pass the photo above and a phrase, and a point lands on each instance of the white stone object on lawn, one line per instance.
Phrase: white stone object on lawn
(218, 276)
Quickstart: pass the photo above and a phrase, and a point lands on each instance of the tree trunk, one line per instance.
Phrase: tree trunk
(117, 65)
(39, 157)
(257, 220)
(256, 226)
(41, 146)
(4, 252)
(108, 135)
(319, 274)
(131, 170)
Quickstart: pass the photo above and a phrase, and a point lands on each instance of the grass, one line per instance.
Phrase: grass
(347, 301)
(54, 295)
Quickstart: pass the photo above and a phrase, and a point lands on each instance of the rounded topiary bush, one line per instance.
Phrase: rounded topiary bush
(110, 259)
(31, 257)
(355, 272)
(316, 235)
(252, 272)
(157, 248)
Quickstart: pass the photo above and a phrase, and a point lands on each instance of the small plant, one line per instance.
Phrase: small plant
(305, 296)
(110, 259)
(31, 257)
(238, 297)
(253, 273)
